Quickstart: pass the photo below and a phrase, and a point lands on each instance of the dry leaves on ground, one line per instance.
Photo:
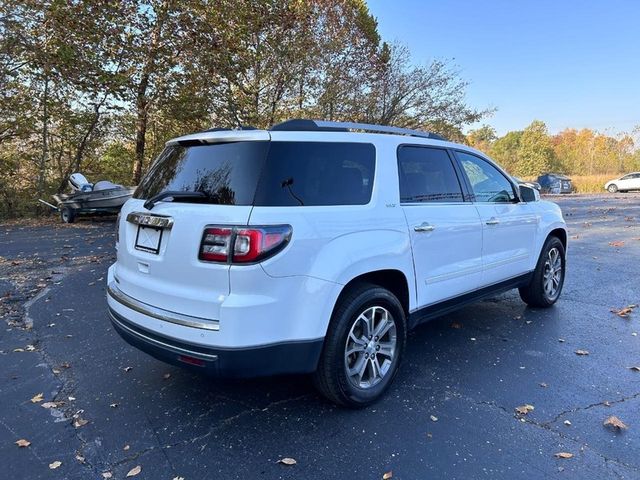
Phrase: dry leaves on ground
(79, 422)
(287, 461)
(106, 475)
(55, 465)
(37, 398)
(615, 423)
(23, 443)
(51, 404)
(624, 312)
(524, 409)
(618, 243)
(134, 471)
(582, 352)
(563, 455)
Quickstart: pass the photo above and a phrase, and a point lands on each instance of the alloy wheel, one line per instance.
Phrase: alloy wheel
(370, 348)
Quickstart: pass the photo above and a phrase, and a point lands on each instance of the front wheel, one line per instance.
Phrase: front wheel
(548, 278)
(68, 215)
(363, 346)
(613, 188)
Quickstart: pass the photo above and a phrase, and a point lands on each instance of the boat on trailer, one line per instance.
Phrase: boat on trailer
(87, 198)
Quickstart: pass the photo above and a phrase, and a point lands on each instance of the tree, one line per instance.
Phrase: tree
(505, 150)
(535, 153)
(482, 138)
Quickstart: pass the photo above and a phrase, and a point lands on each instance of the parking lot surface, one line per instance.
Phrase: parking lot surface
(451, 412)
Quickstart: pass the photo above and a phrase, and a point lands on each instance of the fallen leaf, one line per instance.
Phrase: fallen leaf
(582, 352)
(37, 398)
(387, 475)
(166, 375)
(80, 458)
(433, 418)
(563, 455)
(30, 348)
(635, 368)
(80, 422)
(134, 471)
(524, 409)
(623, 312)
(55, 465)
(287, 461)
(567, 423)
(23, 443)
(456, 325)
(615, 422)
(106, 475)
(618, 243)
(50, 404)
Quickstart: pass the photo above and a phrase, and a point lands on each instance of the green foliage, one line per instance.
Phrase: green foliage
(99, 87)
(531, 152)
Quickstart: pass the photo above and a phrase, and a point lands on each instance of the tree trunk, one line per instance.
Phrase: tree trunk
(142, 100)
(141, 132)
(45, 138)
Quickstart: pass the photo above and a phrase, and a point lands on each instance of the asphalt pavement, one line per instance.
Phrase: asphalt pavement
(451, 412)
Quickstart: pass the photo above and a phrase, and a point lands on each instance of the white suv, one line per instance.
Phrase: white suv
(315, 246)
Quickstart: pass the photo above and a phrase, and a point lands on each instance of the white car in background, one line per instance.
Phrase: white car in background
(310, 248)
(630, 181)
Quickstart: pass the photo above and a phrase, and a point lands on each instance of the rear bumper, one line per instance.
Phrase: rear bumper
(263, 360)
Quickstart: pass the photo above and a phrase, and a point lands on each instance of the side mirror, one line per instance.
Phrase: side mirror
(529, 194)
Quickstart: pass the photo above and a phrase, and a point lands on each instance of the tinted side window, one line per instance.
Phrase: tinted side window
(427, 175)
(317, 173)
(227, 172)
(487, 182)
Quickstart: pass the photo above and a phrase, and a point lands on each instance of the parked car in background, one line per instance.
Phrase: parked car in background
(630, 181)
(527, 183)
(555, 183)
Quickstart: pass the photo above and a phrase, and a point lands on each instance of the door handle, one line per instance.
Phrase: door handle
(492, 221)
(424, 227)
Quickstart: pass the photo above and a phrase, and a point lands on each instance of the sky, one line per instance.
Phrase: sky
(572, 64)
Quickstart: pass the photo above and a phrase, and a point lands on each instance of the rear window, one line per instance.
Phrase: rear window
(317, 173)
(226, 172)
(265, 173)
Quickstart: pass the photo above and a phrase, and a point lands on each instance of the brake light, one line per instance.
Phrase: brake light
(250, 245)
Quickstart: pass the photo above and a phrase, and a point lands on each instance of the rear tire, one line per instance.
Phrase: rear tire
(357, 366)
(68, 215)
(613, 188)
(548, 278)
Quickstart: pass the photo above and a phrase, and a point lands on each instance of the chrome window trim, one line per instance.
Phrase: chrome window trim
(159, 313)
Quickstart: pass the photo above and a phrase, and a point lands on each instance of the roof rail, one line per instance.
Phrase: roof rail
(306, 125)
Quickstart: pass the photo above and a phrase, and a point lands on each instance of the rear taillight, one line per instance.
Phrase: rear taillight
(250, 244)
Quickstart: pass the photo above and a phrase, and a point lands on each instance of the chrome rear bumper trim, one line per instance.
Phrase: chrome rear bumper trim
(158, 343)
(185, 320)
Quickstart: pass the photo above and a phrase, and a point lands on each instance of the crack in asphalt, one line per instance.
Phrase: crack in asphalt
(547, 426)
(225, 422)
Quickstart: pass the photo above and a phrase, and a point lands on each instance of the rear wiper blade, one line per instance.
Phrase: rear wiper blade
(149, 204)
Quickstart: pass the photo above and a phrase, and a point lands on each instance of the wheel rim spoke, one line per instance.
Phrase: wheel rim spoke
(370, 348)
